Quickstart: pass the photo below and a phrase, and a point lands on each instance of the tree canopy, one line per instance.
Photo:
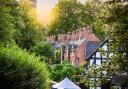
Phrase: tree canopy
(66, 17)
(32, 33)
(94, 10)
(70, 15)
(6, 21)
(117, 30)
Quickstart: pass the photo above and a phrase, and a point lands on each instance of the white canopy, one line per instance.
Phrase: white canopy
(66, 84)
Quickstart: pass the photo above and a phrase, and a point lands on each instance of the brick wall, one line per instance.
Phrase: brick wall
(80, 54)
(77, 55)
(72, 36)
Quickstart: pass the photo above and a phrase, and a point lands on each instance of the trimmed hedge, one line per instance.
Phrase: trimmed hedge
(20, 70)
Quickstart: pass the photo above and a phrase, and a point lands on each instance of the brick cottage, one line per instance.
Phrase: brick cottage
(75, 46)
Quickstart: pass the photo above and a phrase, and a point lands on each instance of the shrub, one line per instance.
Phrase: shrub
(21, 70)
(44, 50)
(60, 71)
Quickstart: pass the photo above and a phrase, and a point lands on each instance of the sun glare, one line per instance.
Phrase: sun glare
(43, 15)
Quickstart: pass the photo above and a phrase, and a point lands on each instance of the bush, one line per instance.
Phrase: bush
(44, 50)
(20, 70)
(60, 71)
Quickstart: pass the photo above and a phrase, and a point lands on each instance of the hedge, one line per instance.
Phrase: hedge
(21, 70)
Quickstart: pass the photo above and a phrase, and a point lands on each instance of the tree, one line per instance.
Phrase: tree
(116, 19)
(18, 23)
(93, 11)
(66, 17)
(119, 36)
(6, 21)
(70, 15)
(32, 31)
(18, 68)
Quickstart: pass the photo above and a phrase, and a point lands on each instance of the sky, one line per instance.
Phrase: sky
(44, 7)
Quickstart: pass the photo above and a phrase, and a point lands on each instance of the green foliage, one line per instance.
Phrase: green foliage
(116, 20)
(21, 70)
(69, 15)
(60, 71)
(44, 49)
(57, 56)
(66, 17)
(6, 21)
(29, 31)
(19, 24)
(93, 11)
